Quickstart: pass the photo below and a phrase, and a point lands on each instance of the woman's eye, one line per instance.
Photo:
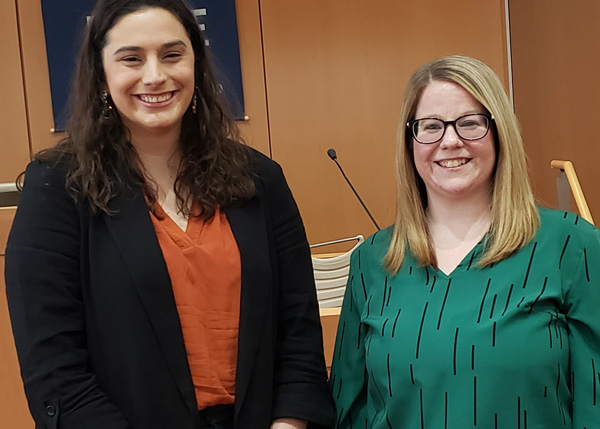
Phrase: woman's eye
(173, 55)
(130, 59)
(432, 126)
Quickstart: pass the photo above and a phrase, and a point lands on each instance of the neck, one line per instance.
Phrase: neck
(160, 156)
(453, 222)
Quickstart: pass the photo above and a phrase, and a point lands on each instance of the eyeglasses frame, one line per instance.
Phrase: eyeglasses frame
(490, 118)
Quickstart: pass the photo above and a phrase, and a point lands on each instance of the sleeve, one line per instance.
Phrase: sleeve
(583, 300)
(300, 378)
(348, 380)
(43, 285)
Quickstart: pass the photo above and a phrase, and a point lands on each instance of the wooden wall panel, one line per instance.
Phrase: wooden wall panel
(13, 405)
(14, 144)
(556, 87)
(336, 73)
(35, 75)
(255, 131)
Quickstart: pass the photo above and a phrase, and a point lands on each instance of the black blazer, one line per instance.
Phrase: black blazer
(96, 328)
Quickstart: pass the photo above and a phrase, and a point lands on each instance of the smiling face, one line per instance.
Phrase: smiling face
(148, 64)
(453, 168)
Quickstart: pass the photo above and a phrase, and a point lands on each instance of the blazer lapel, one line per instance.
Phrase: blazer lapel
(250, 231)
(133, 232)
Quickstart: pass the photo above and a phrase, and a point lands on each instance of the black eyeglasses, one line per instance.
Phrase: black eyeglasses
(468, 127)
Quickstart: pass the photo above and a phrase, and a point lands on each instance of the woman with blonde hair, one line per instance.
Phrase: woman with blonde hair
(477, 308)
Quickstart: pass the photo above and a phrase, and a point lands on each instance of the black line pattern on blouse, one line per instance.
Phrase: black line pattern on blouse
(550, 328)
(587, 271)
(412, 375)
(508, 298)
(427, 278)
(529, 265)
(470, 261)
(351, 299)
(389, 375)
(558, 386)
(383, 327)
(389, 296)
(343, 333)
(421, 329)
(433, 284)
(443, 303)
(520, 302)
(445, 410)
(576, 219)
(454, 354)
(594, 388)
(373, 239)
(487, 288)
(537, 298)
(421, 404)
(475, 400)
(369, 306)
(519, 412)
(364, 288)
(385, 291)
(473, 357)
(395, 322)
(493, 305)
(377, 386)
(387, 419)
(494, 335)
(563, 251)
(359, 258)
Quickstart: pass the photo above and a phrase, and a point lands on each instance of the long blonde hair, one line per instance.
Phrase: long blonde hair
(514, 217)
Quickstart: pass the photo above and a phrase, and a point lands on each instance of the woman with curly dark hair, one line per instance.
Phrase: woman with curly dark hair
(157, 271)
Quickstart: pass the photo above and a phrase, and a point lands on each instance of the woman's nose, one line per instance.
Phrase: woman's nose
(451, 137)
(154, 73)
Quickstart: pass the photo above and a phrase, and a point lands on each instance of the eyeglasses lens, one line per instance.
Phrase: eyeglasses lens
(469, 127)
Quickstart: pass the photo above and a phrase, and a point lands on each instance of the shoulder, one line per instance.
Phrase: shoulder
(561, 223)
(49, 172)
(372, 251)
(568, 235)
(263, 166)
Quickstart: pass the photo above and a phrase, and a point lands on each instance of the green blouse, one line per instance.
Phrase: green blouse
(515, 345)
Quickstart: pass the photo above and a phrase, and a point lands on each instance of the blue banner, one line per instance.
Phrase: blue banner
(64, 22)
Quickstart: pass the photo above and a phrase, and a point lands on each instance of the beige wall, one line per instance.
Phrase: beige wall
(335, 74)
(14, 141)
(556, 60)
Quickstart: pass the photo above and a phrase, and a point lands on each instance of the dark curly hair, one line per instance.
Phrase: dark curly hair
(101, 162)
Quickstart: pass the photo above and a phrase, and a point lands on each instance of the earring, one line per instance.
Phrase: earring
(195, 101)
(107, 106)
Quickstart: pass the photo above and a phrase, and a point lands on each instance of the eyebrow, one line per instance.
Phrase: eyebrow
(138, 48)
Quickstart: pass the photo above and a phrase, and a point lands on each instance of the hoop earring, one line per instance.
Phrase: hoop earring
(106, 112)
(195, 101)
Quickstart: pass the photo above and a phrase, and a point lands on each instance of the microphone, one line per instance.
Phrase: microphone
(331, 153)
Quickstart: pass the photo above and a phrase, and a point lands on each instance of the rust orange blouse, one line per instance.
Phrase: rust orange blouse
(205, 270)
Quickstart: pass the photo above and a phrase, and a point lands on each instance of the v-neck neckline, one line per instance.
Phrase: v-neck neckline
(469, 261)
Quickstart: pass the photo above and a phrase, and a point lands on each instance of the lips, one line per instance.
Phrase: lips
(453, 163)
(156, 98)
